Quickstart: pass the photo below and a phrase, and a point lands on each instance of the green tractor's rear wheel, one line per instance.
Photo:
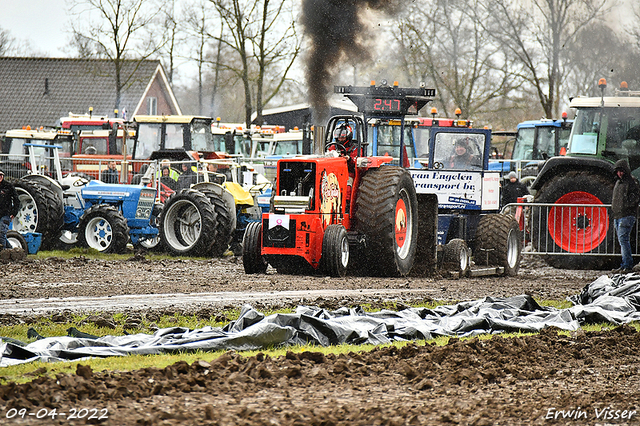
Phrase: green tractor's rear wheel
(386, 213)
(579, 230)
(335, 251)
(252, 259)
(188, 224)
(104, 228)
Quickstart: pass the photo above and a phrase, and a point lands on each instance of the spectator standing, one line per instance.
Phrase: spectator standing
(9, 207)
(513, 189)
(110, 174)
(187, 178)
(167, 180)
(624, 206)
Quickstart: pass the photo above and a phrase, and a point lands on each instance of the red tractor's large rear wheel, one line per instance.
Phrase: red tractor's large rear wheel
(579, 230)
(386, 213)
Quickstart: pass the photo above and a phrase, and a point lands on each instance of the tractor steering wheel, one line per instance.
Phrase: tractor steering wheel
(339, 147)
(81, 182)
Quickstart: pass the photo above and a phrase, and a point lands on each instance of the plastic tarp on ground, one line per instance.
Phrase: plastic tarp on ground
(608, 299)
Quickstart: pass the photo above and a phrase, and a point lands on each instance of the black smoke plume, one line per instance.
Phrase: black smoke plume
(337, 37)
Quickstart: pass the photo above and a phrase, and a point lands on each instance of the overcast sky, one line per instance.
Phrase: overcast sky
(41, 22)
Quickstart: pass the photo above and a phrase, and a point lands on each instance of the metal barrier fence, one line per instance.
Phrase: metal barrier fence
(18, 165)
(130, 171)
(569, 229)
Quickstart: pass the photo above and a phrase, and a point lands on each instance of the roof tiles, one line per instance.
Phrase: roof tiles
(38, 91)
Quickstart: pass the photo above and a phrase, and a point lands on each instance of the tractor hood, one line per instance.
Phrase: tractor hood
(96, 190)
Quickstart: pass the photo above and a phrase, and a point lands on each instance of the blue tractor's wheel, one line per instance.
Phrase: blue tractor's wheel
(104, 228)
(498, 242)
(457, 257)
(16, 240)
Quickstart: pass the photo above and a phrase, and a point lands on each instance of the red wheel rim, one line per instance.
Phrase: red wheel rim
(401, 223)
(578, 229)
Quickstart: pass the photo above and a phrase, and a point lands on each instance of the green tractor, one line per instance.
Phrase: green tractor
(571, 226)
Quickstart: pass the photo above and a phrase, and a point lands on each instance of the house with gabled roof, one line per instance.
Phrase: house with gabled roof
(39, 91)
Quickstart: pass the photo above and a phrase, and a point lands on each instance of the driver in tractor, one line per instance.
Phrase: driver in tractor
(344, 144)
(462, 157)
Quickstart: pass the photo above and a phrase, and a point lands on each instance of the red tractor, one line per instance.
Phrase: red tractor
(328, 209)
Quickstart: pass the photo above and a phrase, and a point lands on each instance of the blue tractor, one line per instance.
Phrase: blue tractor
(74, 209)
(535, 141)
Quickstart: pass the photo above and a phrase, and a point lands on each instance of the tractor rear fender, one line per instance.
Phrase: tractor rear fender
(46, 181)
(221, 192)
(373, 162)
(209, 187)
(561, 165)
(426, 250)
(241, 195)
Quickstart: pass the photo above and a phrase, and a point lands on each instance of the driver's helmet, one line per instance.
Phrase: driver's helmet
(343, 134)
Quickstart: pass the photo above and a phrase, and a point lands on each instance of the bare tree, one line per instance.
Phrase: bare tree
(610, 55)
(11, 46)
(171, 31)
(6, 43)
(539, 34)
(117, 32)
(634, 28)
(263, 35)
(272, 48)
(444, 45)
(199, 25)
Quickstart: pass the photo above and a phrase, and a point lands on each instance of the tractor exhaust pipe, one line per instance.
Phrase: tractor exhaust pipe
(318, 139)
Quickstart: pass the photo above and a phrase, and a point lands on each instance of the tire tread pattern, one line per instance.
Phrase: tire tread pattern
(252, 259)
(50, 212)
(224, 224)
(493, 234)
(208, 218)
(119, 227)
(331, 261)
(375, 217)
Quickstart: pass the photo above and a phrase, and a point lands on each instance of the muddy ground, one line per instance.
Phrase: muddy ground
(584, 378)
